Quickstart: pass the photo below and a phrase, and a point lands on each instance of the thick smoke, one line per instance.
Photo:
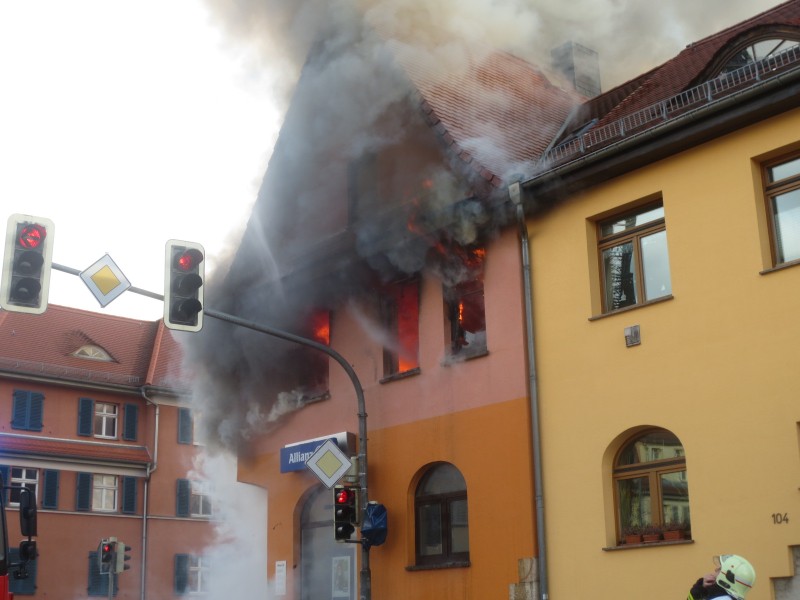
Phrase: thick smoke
(331, 48)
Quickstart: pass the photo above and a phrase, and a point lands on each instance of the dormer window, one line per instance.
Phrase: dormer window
(92, 352)
(757, 51)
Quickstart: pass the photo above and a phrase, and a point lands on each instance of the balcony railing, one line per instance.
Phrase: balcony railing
(701, 95)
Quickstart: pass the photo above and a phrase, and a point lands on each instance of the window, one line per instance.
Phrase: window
(104, 493)
(191, 574)
(758, 50)
(92, 352)
(399, 308)
(22, 477)
(466, 315)
(442, 526)
(105, 420)
(650, 482)
(28, 410)
(783, 196)
(200, 503)
(634, 259)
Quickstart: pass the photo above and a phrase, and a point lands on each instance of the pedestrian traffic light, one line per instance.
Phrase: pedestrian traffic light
(106, 554)
(345, 512)
(183, 285)
(26, 264)
(121, 558)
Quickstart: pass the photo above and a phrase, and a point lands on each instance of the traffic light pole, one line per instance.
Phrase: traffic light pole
(365, 576)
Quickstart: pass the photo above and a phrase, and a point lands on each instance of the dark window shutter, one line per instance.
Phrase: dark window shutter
(83, 497)
(22, 587)
(182, 498)
(50, 492)
(129, 495)
(98, 582)
(131, 422)
(85, 416)
(184, 426)
(36, 415)
(6, 481)
(181, 573)
(19, 418)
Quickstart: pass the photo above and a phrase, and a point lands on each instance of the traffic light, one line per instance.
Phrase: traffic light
(121, 558)
(26, 264)
(345, 512)
(106, 554)
(183, 285)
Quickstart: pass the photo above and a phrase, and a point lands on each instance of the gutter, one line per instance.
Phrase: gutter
(777, 94)
(515, 195)
(151, 467)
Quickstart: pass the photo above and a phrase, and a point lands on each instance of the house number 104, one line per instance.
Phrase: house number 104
(780, 518)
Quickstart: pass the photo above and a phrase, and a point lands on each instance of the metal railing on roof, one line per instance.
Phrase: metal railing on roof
(649, 117)
(47, 370)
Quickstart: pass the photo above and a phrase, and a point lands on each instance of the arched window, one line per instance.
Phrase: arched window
(650, 483)
(442, 526)
(758, 50)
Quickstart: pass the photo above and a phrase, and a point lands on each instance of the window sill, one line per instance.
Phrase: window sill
(456, 564)
(780, 267)
(630, 308)
(453, 359)
(647, 545)
(403, 375)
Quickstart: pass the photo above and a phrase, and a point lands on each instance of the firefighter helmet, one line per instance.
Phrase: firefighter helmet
(736, 575)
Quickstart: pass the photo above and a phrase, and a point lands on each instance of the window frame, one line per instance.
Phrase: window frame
(200, 496)
(771, 190)
(634, 236)
(393, 319)
(21, 481)
(99, 485)
(653, 470)
(103, 418)
(443, 500)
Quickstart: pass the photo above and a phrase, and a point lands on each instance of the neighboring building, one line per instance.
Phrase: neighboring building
(666, 282)
(93, 420)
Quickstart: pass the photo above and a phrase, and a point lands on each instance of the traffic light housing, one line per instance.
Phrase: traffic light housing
(345, 512)
(184, 276)
(106, 554)
(26, 264)
(120, 558)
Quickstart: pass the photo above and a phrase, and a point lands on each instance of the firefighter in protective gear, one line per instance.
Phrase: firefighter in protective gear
(733, 578)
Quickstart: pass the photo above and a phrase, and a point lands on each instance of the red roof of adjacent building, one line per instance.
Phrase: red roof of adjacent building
(73, 449)
(141, 352)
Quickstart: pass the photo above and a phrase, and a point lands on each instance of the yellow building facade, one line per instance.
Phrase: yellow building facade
(715, 365)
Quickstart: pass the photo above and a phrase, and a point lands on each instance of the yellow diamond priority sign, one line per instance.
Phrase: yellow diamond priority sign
(329, 463)
(105, 280)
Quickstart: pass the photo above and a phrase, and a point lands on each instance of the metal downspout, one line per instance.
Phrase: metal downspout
(514, 193)
(151, 467)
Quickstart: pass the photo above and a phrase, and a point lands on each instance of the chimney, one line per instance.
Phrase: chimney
(580, 65)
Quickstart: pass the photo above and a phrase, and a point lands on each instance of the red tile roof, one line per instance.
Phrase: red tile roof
(687, 69)
(495, 114)
(71, 449)
(142, 352)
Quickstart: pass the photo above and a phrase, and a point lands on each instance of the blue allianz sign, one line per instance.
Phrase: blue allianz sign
(294, 456)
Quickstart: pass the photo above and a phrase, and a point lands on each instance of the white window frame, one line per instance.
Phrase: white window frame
(197, 576)
(200, 504)
(23, 479)
(105, 492)
(106, 416)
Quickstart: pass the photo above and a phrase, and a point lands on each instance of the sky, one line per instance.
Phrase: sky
(131, 122)
(128, 123)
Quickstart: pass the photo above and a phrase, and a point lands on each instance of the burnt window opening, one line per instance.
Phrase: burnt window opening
(362, 187)
(464, 308)
(399, 311)
(308, 367)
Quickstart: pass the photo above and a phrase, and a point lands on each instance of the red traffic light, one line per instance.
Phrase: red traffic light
(189, 259)
(32, 236)
(344, 496)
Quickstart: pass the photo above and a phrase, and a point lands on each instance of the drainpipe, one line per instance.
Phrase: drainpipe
(515, 195)
(151, 467)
